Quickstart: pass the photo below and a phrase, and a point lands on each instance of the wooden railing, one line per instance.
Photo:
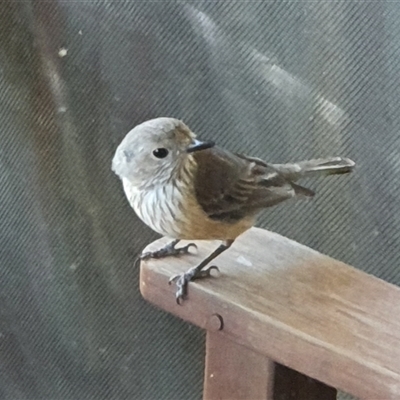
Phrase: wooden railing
(286, 322)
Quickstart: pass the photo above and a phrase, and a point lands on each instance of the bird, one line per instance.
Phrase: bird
(188, 189)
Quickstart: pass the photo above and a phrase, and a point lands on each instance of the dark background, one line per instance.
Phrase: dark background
(275, 79)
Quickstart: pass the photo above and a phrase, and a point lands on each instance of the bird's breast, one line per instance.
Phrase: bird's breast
(160, 207)
(172, 210)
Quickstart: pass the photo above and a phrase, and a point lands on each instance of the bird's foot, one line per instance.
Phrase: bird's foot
(182, 280)
(167, 250)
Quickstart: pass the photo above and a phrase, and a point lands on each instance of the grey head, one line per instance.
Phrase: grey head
(153, 150)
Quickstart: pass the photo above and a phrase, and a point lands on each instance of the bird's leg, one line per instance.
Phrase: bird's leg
(182, 280)
(168, 250)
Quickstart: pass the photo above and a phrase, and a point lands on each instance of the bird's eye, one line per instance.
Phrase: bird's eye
(160, 152)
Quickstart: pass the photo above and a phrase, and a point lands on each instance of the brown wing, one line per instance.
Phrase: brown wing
(229, 187)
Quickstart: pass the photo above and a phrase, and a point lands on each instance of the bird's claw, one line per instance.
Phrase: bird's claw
(182, 280)
(205, 273)
(166, 251)
(185, 249)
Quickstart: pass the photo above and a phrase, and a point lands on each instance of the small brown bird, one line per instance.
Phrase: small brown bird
(187, 189)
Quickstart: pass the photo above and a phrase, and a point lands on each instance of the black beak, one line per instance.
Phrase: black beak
(197, 146)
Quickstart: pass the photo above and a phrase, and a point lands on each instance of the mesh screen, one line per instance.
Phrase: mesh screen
(281, 80)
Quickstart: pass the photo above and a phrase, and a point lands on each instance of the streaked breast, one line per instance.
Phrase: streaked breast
(160, 207)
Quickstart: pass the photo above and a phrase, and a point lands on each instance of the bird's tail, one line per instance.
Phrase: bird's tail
(316, 167)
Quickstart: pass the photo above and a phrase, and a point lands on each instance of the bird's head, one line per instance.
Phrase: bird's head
(153, 150)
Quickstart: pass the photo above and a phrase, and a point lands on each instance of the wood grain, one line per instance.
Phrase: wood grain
(296, 306)
(235, 372)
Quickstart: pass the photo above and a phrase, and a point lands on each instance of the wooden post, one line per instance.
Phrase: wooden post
(279, 303)
(234, 372)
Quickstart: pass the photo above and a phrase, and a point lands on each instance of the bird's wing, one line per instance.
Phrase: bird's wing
(229, 187)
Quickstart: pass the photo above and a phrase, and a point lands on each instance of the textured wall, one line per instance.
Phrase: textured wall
(279, 80)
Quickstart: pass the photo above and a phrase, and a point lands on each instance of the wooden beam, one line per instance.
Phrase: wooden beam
(234, 372)
(293, 305)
